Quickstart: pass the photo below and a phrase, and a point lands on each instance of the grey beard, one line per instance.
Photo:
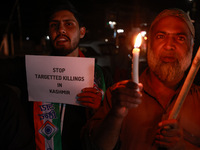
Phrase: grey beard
(168, 72)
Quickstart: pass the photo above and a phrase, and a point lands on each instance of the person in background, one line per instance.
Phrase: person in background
(64, 129)
(135, 116)
(13, 122)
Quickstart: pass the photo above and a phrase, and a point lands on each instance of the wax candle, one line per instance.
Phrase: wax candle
(135, 59)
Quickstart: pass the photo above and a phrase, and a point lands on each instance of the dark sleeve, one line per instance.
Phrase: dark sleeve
(16, 132)
(94, 122)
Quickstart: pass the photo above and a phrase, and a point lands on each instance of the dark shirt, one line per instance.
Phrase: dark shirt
(16, 133)
(139, 127)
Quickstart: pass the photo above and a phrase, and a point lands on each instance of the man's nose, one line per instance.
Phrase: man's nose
(61, 29)
(170, 43)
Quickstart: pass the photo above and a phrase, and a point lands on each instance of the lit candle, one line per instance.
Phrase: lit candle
(135, 58)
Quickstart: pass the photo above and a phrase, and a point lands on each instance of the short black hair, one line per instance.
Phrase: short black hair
(64, 5)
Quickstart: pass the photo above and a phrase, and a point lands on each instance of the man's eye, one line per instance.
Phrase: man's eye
(53, 25)
(181, 38)
(68, 24)
(160, 36)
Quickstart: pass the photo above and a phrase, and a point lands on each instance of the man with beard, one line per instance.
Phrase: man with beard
(63, 128)
(135, 116)
(65, 31)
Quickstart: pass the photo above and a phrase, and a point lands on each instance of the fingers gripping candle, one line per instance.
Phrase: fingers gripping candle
(135, 58)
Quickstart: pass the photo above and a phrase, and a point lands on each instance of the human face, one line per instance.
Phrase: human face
(65, 33)
(170, 49)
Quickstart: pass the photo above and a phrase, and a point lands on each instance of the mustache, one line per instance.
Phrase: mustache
(61, 35)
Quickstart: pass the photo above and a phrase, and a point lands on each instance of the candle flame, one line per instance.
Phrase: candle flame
(138, 41)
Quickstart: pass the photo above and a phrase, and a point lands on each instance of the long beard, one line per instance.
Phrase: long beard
(168, 72)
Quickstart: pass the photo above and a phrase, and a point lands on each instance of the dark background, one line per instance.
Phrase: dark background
(26, 19)
(29, 20)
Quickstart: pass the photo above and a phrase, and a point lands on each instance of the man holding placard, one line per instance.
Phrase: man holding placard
(57, 125)
(131, 119)
(66, 30)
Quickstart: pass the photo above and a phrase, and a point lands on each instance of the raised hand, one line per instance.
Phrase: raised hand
(126, 95)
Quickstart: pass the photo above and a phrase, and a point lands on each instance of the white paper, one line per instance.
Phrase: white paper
(57, 78)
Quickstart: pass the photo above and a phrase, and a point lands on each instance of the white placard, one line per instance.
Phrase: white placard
(57, 78)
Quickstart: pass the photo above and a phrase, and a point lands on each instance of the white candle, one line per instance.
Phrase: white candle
(135, 59)
(135, 65)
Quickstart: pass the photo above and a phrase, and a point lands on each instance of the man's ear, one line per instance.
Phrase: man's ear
(82, 32)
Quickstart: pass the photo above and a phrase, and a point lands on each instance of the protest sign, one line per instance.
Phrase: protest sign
(57, 78)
